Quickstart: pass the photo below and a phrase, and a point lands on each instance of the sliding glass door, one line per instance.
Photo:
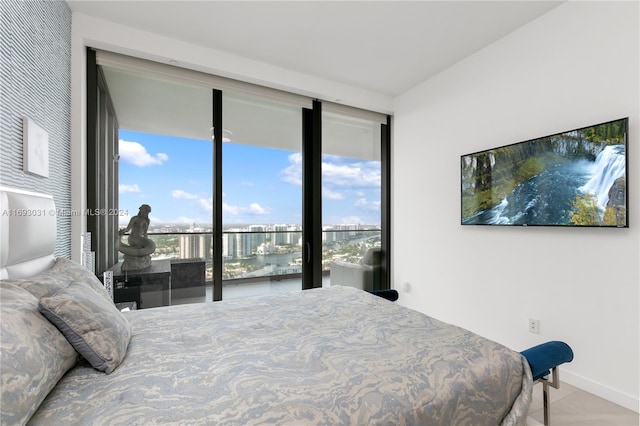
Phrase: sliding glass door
(352, 199)
(261, 196)
(165, 162)
(265, 188)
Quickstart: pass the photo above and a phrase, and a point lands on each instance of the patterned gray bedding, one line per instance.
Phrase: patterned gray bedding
(324, 356)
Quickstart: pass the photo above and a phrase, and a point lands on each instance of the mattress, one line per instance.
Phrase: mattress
(327, 356)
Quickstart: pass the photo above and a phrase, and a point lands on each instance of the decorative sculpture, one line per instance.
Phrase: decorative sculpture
(137, 253)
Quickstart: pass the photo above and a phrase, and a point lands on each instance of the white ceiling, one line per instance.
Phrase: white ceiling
(386, 47)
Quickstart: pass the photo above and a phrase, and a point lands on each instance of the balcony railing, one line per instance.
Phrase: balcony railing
(251, 256)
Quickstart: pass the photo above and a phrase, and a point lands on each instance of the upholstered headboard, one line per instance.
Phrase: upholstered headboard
(27, 232)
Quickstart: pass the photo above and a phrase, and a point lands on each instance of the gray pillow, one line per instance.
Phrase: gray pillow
(58, 277)
(91, 323)
(35, 355)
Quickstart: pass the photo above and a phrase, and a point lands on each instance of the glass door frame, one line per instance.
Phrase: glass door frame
(311, 197)
(217, 194)
(385, 205)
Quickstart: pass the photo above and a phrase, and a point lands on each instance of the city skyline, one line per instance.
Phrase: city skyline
(260, 185)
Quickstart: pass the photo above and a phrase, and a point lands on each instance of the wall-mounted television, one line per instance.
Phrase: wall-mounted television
(575, 178)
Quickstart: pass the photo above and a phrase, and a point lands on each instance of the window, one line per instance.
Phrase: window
(261, 196)
(351, 188)
(244, 176)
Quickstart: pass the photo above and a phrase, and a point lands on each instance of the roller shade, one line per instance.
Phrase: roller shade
(195, 78)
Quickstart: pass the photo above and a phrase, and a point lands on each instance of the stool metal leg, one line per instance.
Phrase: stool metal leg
(545, 401)
(555, 383)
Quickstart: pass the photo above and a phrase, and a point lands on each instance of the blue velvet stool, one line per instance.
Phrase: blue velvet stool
(544, 360)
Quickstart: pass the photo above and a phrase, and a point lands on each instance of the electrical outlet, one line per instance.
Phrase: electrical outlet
(534, 326)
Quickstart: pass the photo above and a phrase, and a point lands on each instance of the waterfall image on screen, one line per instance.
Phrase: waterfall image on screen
(575, 178)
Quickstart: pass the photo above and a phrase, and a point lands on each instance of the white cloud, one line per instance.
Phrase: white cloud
(178, 193)
(136, 154)
(368, 205)
(123, 188)
(336, 173)
(206, 204)
(331, 195)
(355, 175)
(253, 209)
(293, 173)
(230, 210)
(257, 209)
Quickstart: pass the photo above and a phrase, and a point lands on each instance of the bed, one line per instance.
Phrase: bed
(336, 355)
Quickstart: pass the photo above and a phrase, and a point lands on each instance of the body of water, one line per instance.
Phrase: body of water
(546, 199)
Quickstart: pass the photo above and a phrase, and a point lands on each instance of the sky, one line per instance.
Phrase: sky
(260, 185)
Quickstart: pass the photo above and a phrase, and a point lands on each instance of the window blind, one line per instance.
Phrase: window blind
(196, 78)
(192, 77)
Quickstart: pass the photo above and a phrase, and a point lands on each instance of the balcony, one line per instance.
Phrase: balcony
(259, 261)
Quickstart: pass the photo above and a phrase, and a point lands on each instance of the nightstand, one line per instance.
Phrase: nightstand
(149, 287)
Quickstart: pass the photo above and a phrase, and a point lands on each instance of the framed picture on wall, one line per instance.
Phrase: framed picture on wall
(35, 145)
(576, 178)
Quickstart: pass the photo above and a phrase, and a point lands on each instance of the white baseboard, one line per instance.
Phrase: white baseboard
(623, 399)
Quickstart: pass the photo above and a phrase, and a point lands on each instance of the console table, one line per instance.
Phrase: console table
(149, 287)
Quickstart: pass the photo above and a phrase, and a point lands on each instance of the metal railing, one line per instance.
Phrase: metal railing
(251, 256)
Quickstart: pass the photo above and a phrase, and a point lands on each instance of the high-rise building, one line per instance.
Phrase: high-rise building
(258, 235)
(279, 236)
(236, 243)
(294, 236)
(196, 245)
(228, 245)
(243, 244)
(328, 234)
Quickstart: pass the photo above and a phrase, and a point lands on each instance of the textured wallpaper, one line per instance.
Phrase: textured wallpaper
(35, 81)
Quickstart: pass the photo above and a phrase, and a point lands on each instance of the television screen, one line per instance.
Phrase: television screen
(575, 178)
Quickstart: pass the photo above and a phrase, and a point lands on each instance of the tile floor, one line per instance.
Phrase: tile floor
(573, 407)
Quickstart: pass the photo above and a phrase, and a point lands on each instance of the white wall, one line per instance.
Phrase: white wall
(576, 66)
